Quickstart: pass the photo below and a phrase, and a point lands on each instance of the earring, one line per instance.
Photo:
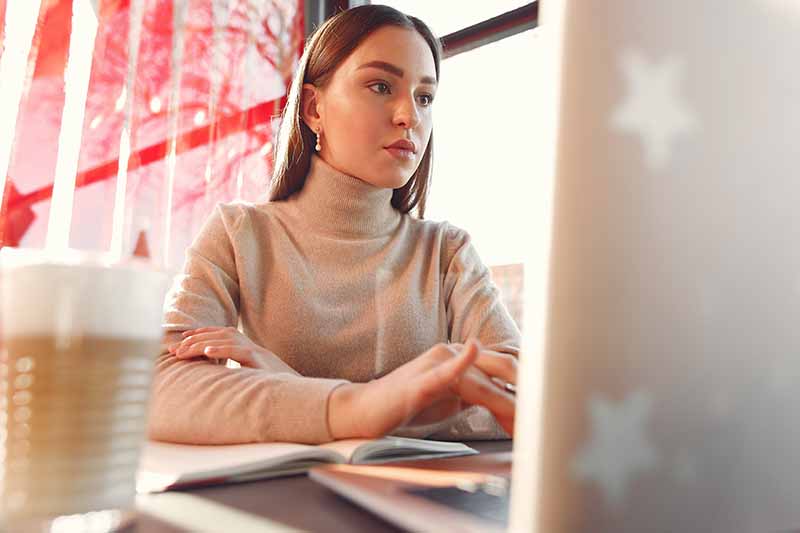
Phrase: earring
(318, 147)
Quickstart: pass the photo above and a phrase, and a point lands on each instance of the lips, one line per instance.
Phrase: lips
(403, 144)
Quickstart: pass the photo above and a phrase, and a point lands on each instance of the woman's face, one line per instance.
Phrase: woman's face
(378, 96)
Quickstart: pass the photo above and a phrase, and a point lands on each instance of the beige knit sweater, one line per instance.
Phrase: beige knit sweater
(338, 284)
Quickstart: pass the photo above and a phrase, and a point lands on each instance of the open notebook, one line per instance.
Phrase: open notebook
(166, 466)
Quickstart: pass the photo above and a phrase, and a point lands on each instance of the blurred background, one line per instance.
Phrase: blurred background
(125, 121)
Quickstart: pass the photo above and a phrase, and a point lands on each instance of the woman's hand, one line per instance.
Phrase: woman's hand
(501, 367)
(227, 343)
(491, 371)
(480, 389)
(432, 387)
(479, 386)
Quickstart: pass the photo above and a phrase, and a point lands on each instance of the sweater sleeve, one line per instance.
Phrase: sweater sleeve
(199, 402)
(474, 310)
(473, 302)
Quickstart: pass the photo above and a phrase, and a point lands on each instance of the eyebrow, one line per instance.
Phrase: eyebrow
(392, 69)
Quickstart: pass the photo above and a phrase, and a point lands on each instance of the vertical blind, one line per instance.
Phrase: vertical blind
(125, 121)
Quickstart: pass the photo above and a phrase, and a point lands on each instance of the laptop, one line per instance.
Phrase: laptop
(659, 383)
(455, 495)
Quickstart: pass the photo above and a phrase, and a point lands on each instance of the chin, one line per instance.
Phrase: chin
(391, 179)
(399, 182)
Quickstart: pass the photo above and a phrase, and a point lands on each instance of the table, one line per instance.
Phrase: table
(289, 503)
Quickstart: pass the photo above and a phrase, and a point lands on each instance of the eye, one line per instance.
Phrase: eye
(425, 99)
(380, 88)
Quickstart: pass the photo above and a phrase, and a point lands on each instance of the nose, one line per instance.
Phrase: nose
(406, 114)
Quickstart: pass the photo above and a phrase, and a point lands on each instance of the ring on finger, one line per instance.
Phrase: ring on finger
(505, 385)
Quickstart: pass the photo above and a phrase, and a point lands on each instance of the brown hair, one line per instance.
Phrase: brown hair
(326, 49)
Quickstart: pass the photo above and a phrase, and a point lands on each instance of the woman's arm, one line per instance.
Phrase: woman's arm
(198, 401)
(433, 386)
(475, 310)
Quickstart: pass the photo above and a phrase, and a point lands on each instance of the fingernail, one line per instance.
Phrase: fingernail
(186, 333)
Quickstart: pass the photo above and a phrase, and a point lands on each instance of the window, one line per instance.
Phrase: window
(482, 129)
(448, 17)
(484, 140)
(162, 87)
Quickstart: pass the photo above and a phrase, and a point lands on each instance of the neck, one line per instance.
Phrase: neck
(340, 204)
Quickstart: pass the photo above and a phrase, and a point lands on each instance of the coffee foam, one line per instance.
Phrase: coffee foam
(80, 299)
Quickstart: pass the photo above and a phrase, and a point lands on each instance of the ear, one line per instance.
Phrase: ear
(309, 106)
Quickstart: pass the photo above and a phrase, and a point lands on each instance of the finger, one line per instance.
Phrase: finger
(460, 346)
(434, 357)
(203, 337)
(476, 388)
(458, 365)
(505, 385)
(500, 365)
(237, 353)
(438, 380)
(198, 349)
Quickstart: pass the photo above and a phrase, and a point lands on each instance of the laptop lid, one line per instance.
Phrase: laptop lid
(462, 494)
(670, 371)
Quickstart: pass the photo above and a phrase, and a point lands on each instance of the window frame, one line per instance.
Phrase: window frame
(487, 31)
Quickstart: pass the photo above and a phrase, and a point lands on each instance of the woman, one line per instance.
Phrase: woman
(359, 319)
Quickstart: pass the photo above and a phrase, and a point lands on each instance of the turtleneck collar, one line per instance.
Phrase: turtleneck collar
(336, 203)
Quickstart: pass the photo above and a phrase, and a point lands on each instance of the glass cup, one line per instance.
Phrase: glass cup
(78, 340)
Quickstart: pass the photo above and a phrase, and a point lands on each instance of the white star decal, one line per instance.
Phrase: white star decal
(652, 108)
(618, 448)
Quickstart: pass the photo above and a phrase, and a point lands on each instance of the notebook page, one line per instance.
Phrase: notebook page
(345, 447)
(163, 463)
(393, 448)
